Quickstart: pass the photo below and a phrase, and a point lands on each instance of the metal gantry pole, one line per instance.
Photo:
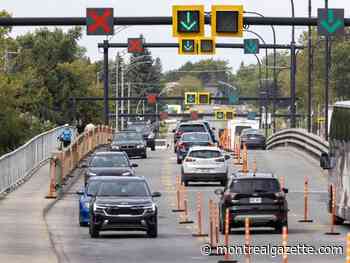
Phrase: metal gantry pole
(117, 92)
(129, 95)
(310, 69)
(122, 95)
(293, 73)
(106, 82)
(260, 87)
(326, 91)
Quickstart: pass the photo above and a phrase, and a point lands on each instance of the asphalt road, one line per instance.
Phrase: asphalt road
(175, 242)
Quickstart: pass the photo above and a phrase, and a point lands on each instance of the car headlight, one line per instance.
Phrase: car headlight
(150, 209)
(140, 146)
(91, 174)
(126, 173)
(151, 135)
(115, 147)
(98, 208)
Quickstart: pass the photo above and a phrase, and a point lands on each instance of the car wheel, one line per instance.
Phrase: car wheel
(153, 230)
(338, 220)
(153, 147)
(93, 230)
(279, 226)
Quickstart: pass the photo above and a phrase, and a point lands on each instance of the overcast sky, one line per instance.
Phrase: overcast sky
(169, 57)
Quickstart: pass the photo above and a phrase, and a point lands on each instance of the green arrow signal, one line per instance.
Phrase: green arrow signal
(188, 46)
(251, 46)
(329, 24)
(188, 25)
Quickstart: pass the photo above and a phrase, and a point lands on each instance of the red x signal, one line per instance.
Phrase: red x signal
(152, 98)
(135, 45)
(99, 21)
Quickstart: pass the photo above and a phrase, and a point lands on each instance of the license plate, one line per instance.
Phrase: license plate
(255, 200)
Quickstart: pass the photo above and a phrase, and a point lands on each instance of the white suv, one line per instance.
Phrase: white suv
(205, 164)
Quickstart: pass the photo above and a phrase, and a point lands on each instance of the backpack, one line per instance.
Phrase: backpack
(66, 135)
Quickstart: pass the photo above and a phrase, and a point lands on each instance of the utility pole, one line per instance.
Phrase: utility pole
(129, 95)
(326, 91)
(310, 70)
(122, 95)
(117, 92)
(293, 73)
(106, 81)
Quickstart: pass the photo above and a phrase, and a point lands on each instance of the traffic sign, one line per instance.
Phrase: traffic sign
(232, 99)
(99, 21)
(220, 115)
(135, 45)
(152, 98)
(206, 46)
(330, 22)
(191, 98)
(227, 20)
(203, 98)
(188, 46)
(188, 21)
(251, 46)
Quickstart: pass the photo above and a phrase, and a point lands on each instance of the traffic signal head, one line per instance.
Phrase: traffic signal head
(135, 45)
(203, 98)
(188, 46)
(152, 98)
(191, 98)
(220, 115)
(229, 115)
(99, 21)
(188, 21)
(330, 21)
(251, 46)
(227, 20)
(206, 46)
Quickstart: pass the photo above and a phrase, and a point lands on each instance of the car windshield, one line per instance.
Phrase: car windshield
(192, 128)
(248, 186)
(139, 128)
(252, 132)
(205, 154)
(109, 160)
(127, 136)
(93, 187)
(195, 137)
(123, 188)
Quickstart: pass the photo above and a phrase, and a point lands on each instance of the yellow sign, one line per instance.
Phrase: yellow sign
(227, 20)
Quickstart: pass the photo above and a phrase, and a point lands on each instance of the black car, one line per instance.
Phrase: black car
(147, 131)
(130, 142)
(188, 127)
(253, 138)
(109, 164)
(256, 196)
(124, 204)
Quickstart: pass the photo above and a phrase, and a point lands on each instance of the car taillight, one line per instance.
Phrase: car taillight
(178, 133)
(220, 160)
(189, 160)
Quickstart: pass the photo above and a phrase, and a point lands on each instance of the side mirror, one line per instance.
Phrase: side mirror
(219, 192)
(134, 165)
(156, 194)
(83, 165)
(285, 190)
(325, 161)
(227, 157)
(80, 192)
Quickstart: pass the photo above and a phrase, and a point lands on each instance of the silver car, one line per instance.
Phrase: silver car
(205, 164)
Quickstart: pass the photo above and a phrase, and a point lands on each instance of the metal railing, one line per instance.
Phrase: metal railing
(299, 138)
(17, 165)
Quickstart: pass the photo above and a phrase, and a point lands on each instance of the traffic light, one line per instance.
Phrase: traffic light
(229, 114)
(188, 21)
(330, 21)
(135, 45)
(251, 46)
(99, 21)
(206, 46)
(191, 98)
(220, 115)
(152, 98)
(203, 98)
(227, 21)
(188, 46)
